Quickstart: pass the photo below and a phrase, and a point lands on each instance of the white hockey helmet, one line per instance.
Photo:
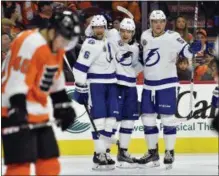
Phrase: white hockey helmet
(157, 15)
(98, 20)
(127, 24)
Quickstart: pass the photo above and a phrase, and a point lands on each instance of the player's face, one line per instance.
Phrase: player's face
(60, 43)
(126, 35)
(158, 26)
(99, 32)
(180, 23)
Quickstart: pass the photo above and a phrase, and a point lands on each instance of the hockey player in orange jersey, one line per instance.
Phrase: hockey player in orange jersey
(32, 72)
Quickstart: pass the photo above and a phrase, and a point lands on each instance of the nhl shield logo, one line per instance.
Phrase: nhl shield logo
(144, 42)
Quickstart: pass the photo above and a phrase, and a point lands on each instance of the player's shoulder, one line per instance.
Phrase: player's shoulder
(146, 33)
(90, 41)
(30, 42)
(172, 33)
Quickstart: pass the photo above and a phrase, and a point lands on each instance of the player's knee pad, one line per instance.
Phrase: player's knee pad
(109, 124)
(49, 166)
(168, 120)
(168, 123)
(149, 119)
(18, 169)
(127, 126)
(99, 124)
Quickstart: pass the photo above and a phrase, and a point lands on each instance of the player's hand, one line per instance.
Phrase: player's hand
(65, 114)
(81, 94)
(195, 46)
(17, 112)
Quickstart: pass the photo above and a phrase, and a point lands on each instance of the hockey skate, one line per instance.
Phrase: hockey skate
(168, 159)
(151, 157)
(110, 161)
(100, 162)
(125, 160)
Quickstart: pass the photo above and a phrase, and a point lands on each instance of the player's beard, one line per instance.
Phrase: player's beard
(99, 35)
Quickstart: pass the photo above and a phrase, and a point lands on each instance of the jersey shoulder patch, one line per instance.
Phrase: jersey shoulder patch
(91, 41)
(120, 43)
(170, 32)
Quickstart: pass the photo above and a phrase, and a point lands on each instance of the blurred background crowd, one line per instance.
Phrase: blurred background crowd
(20, 15)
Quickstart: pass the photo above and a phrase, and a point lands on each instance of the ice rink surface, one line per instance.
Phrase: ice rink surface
(185, 164)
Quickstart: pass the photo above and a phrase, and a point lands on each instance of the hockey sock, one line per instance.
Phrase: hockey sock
(169, 137)
(151, 136)
(99, 144)
(18, 169)
(125, 133)
(50, 166)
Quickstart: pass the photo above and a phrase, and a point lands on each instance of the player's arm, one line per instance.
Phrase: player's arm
(19, 79)
(184, 49)
(136, 63)
(63, 109)
(88, 53)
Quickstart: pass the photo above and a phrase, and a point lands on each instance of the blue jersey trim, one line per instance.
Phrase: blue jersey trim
(101, 76)
(125, 78)
(81, 67)
(160, 82)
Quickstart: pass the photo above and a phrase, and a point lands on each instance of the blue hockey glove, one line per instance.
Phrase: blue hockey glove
(195, 46)
(81, 94)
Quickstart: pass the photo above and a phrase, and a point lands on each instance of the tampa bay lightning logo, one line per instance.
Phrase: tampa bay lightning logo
(124, 59)
(153, 57)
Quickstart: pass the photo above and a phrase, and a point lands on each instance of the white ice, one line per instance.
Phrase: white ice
(185, 164)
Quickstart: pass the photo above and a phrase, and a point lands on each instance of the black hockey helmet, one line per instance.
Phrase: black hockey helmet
(66, 23)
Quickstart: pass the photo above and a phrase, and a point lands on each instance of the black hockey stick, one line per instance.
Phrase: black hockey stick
(16, 129)
(85, 105)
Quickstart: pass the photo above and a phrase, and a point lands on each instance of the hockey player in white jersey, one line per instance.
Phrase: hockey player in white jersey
(160, 50)
(215, 97)
(95, 78)
(127, 67)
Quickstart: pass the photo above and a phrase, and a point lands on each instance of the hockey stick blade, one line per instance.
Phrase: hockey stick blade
(124, 10)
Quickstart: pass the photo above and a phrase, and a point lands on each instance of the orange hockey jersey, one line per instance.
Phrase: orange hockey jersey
(32, 69)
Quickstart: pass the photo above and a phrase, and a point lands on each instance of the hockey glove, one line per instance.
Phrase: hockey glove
(63, 109)
(195, 46)
(81, 94)
(17, 112)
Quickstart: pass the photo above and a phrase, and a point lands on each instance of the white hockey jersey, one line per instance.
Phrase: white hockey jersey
(159, 57)
(127, 68)
(95, 63)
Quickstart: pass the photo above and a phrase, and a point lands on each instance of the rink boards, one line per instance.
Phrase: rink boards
(193, 136)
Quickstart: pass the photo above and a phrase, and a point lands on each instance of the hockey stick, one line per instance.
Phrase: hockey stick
(125, 11)
(193, 61)
(86, 108)
(16, 129)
